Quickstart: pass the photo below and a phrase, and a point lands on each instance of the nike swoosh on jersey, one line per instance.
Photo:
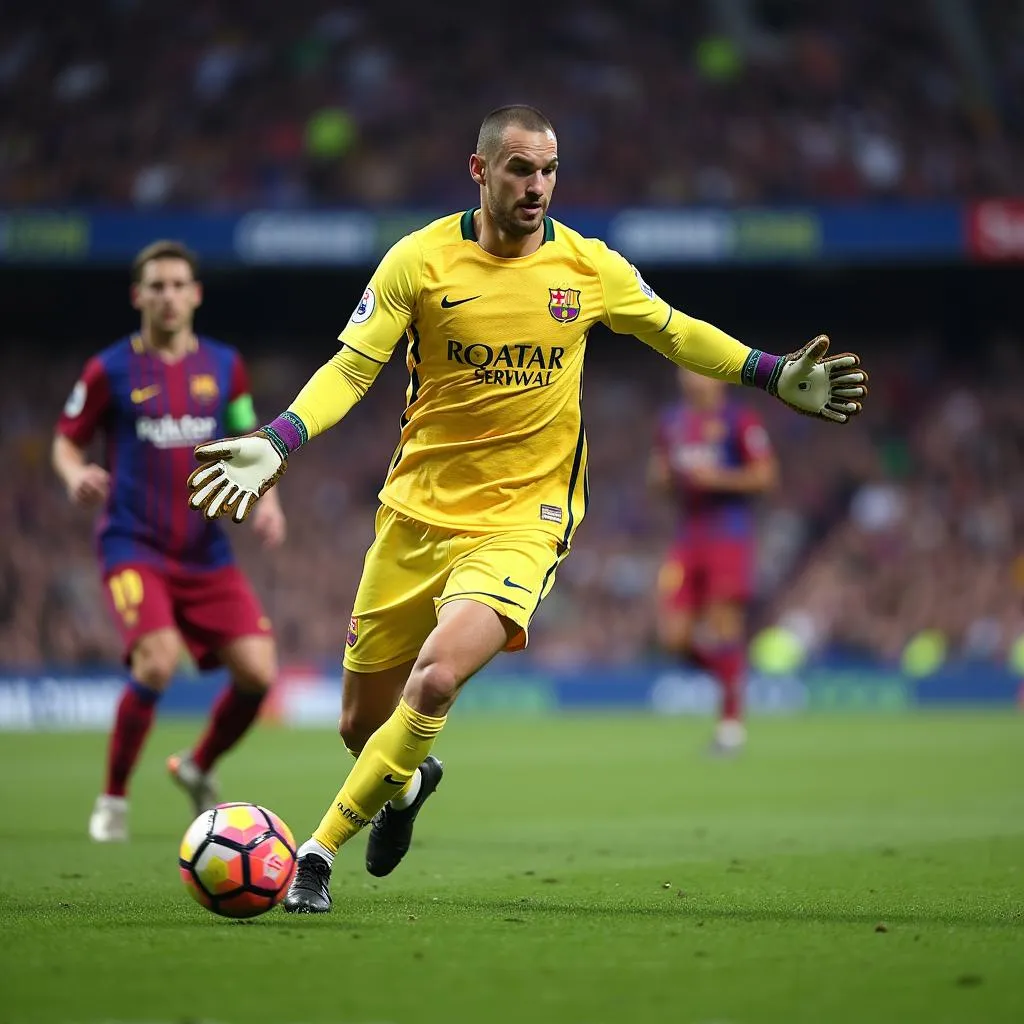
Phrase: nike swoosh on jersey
(140, 395)
(447, 303)
(518, 586)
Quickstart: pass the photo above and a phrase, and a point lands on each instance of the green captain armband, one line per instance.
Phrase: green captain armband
(240, 416)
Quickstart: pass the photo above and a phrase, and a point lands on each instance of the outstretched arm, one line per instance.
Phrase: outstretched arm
(830, 388)
(234, 472)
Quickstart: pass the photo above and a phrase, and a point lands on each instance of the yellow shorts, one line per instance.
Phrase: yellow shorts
(412, 569)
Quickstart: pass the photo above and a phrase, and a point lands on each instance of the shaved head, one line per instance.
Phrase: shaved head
(488, 142)
(515, 165)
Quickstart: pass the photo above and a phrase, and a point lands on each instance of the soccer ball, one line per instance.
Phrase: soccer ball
(237, 859)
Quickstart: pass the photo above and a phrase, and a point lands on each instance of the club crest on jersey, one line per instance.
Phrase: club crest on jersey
(203, 387)
(564, 304)
(353, 631)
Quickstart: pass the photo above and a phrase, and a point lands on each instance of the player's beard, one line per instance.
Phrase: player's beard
(504, 216)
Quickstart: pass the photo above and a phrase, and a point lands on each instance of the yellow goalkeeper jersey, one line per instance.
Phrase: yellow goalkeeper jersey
(492, 435)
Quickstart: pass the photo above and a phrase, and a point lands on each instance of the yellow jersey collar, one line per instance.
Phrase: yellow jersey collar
(469, 234)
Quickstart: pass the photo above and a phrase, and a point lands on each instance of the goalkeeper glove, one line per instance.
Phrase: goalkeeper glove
(828, 387)
(234, 472)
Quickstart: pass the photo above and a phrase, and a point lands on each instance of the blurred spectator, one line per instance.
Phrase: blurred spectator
(231, 104)
(910, 520)
(933, 537)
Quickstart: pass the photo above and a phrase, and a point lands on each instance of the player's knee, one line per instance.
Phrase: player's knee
(253, 664)
(432, 687)
(355, 729)
(676, 646)
(675, 637)
(726, 622)
(257, 677)
(155, 660)
(729, 632)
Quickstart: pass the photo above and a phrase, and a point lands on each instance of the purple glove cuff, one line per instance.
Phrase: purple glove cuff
(761, 370)
(287, 431)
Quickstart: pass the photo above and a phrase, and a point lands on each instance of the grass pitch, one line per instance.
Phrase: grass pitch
(573, 870)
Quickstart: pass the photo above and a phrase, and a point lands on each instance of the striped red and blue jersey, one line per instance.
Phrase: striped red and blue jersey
(152, 414)
(730, 436)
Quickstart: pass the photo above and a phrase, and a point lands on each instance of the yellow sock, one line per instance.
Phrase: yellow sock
(383, 769)
(394, 796)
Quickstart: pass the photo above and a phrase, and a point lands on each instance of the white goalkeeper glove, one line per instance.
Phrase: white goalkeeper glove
(828, 387)
(234, 472)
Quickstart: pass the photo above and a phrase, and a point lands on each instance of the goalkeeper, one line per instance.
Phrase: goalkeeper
(489, 481)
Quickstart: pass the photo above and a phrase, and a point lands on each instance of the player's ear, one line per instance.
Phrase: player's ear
(478, 169)
(133, 294)
(199, 293)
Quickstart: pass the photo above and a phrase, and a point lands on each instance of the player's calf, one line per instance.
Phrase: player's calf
(155, 657)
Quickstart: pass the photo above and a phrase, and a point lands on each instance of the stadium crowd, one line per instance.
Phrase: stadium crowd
(909, 520)
(226, 104)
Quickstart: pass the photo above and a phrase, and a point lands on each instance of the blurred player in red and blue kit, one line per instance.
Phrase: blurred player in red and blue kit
(170, 576)
(712, 456)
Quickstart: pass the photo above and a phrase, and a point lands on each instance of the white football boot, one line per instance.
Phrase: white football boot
(200, 787)
(730, 737)
(109, 820)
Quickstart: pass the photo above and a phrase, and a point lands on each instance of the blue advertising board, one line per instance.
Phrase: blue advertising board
(870, 232)
(312, 696)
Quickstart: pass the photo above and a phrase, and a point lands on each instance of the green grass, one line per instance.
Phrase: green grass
(590, 870)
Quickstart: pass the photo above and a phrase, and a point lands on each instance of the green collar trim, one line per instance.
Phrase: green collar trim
(469, 235)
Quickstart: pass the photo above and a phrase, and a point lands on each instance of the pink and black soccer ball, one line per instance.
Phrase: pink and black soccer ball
(237, 860)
